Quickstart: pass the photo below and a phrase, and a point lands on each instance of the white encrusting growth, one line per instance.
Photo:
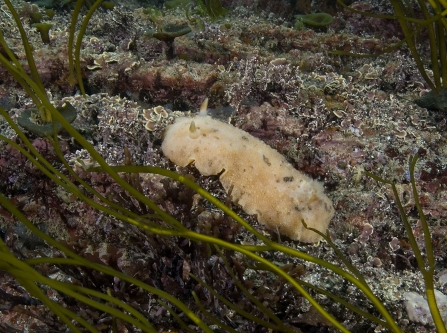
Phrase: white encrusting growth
(262, 181)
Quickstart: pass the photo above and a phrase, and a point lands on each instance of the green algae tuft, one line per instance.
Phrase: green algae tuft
(44, 29)
(317, 20)
(29, 119)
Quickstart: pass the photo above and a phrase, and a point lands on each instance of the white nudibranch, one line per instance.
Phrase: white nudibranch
(263, 183)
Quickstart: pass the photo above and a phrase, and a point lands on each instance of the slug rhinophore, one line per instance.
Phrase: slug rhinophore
(263, 183)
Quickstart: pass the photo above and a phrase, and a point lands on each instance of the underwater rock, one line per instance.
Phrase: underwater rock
(434, 101)
(418, 309)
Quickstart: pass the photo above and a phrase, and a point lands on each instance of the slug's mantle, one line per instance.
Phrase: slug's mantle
(263, 183)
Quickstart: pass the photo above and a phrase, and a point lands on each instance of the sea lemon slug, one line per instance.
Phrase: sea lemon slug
(263, 183)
